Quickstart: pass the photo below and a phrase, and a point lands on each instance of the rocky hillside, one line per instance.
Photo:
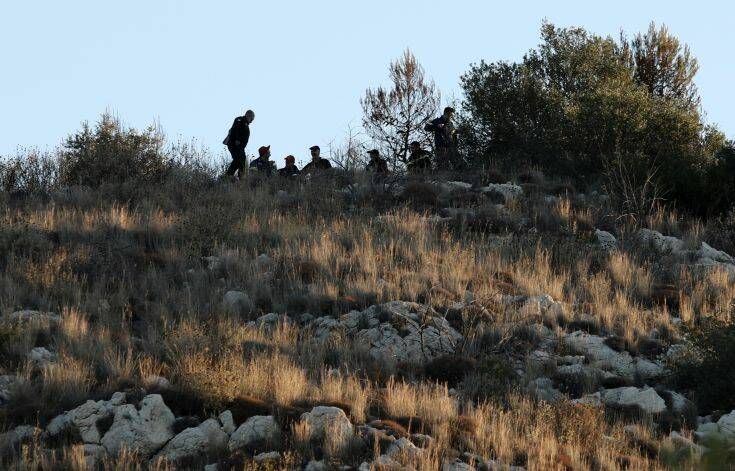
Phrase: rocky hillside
(344, 323)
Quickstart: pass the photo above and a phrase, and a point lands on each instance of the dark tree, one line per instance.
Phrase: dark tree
(395, 117)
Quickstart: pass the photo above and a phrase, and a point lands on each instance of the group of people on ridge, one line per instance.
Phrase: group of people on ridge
(419, 160)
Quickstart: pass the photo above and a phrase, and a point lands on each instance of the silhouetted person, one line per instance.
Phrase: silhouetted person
(317, 162)
(445, 139)
(263, 164)
(377, 164)
(419, 160)
(236, 140)
(290, 170)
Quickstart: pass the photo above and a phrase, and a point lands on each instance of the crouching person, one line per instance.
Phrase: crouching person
(290, 170)
(263, 164)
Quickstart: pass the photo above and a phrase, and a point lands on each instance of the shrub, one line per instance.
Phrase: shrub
(30, 174)
(449, 368)
(707, 368)
(110, 152)
(492, 380)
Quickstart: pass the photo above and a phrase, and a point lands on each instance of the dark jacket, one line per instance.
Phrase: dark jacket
(320, 164)
(377, 165)
(445, 135)
(239, 134)
(266, 167)
(288, 171)
(419, 161)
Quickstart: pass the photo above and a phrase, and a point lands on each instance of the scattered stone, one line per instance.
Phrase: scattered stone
(7, 383)
(145, 430)
(189, 444)
(606, 241)
(238, 302)
(323, 420)
(267, 457)
(509, 190)
(86, 419)
(646, 399)
(227, 421)
(314, 465)
(727, 425)
(259, 432)
(403, 450)
(601, 356)
(156, 383)
(41, 358)
(33, 317)
(456, 465)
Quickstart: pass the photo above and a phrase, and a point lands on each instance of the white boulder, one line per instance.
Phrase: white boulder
(606, 241)
(258, 432)
(328, 423)
(145, 430)
(646, 399)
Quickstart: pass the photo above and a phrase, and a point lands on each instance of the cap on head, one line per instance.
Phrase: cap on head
(249, 113)
(314, 148)
(448, 109)
(375, 152)
(415, 144)
(290, 159)
(264, 150)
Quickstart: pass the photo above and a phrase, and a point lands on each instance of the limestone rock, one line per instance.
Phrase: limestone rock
(258, 432)
(238, 302)
(191, 443)
(40, 357)
(605, 358)
(606, 241)
(646, 399)
(328, 422)
(227, 421)
(726, 425)
(145, 430)
(86, 417)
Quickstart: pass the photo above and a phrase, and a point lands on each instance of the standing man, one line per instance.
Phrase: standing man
(236, 140)
(419, 160)
(290, 170)
(263, 164)
(445, 139)
(376, 164)
(317, 163)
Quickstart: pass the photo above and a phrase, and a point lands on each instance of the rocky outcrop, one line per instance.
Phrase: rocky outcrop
(601, 356)
(86, 418)
(145, 429)
(702, 258)
(397, 331)
(646, 400)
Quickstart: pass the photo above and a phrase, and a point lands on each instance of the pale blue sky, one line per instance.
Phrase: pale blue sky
(301, 65)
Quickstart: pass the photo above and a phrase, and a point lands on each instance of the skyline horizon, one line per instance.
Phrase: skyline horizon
(303, 85)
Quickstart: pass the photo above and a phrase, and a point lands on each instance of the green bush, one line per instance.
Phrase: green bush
(579, 100)
(707, 368)
(112, 153)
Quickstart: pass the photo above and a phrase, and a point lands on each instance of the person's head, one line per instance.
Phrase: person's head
(315, 150)
(290, 160)
(374, 154)
(448, 112)
(415, 146)
(264, 152)
(249, 116)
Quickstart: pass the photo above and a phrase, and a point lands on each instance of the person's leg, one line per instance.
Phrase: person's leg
(234, 164)
(242, 162)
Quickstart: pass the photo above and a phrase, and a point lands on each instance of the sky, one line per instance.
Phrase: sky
(192, 66)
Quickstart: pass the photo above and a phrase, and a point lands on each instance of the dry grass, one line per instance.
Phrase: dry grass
(135, 300)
